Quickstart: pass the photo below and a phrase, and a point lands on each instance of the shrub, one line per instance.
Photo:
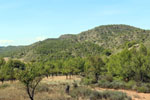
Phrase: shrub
(80, 92)
(86, 93)
(43, 88)
(87, 81)
(96, 95)
(115, 95)
(75, 85)
(104, 83)
(130, 85)
(109, 78)
(4, 86)
(142, 89)
(115, 84)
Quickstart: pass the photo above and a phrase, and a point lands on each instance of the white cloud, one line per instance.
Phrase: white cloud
(6, 42)
(40, 38)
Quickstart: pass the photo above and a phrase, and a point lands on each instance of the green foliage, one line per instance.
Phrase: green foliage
(16, 64)
(56, 49)
(113, 84)
(87, 81)
(95, 54)
(107, 52)
(86, 93)
(131, 85)
(12, 51)
(94, 67)
(2, 62)
(30, 77)
(143, 89)
(130, 65)
(130, 44)
(98, 41)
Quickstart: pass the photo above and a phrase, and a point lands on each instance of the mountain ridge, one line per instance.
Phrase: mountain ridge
(87, 43)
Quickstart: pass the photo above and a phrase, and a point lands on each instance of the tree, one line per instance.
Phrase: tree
(2, 75)
(2, 72)
(16, 64)
(95, 67)
(11, 67)
(119, 65)
(30, 77)
(66, 68)
(2, 62)
(130, 64)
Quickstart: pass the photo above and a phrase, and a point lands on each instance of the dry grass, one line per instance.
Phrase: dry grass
(49, 89)
(52, 89)
(16, 91)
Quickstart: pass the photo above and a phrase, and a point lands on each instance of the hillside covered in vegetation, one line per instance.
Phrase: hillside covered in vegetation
(101, 40)
(112, 56)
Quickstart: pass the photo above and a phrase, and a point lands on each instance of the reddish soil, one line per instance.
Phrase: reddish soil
(135, 95)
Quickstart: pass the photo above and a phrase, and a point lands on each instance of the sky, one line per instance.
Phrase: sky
(23, 22)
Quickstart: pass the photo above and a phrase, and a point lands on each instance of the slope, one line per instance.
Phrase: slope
(88, 43)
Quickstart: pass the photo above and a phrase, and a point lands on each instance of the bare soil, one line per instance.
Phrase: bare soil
(135, 95)
(17, 92)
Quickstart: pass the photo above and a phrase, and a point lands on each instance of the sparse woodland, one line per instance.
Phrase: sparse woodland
(108, 57)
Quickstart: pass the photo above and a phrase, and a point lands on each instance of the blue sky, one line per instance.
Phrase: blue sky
(23, 22)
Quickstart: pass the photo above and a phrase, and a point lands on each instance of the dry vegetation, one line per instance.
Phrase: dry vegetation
(16, 91)
(49, 89)
(52, 89)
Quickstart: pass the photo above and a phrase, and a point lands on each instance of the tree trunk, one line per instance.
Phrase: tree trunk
(66, 76)
(96, 77)
(29, 94)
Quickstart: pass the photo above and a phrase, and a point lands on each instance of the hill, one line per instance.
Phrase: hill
(92, 42)
(112, 36)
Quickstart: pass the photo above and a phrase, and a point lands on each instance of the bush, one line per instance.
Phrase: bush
(96, 95)
(139, 87)
(80, 92)
(86, 81)
(4, 86)
(43, 88)
(115, 95)
(106, 77)
(103, 83)
(117, 85)
(86, 93)
(131, 85)
(142, 89)
(75, 85)
(114, 84)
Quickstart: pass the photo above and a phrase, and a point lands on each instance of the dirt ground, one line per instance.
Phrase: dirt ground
(61, 79)
(16, 91)
(135, 95)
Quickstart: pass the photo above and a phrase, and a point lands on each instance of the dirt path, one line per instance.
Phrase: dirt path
(61, 80)
(133, 94)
